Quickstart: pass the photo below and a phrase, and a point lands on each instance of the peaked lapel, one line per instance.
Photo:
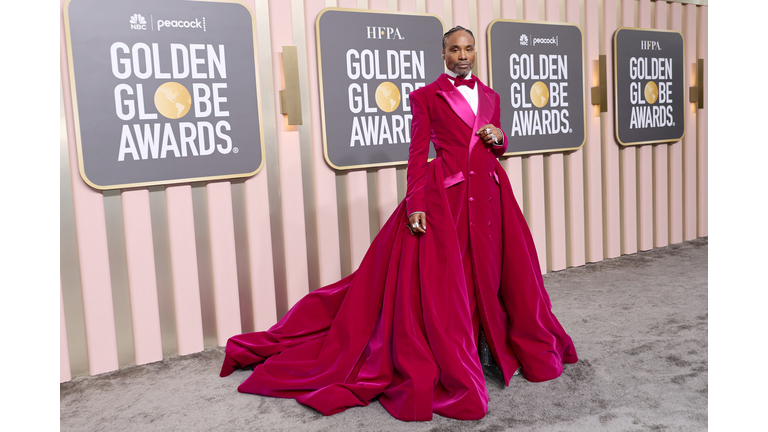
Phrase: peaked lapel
(484, 113)
(455, 100)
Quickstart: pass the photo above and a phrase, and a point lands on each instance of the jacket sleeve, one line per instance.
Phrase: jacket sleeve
(421, 131)
(499, 150)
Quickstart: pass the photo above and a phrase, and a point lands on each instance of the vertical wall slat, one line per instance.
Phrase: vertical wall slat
(142, 282)
(92, 248)
(628, 164)
(359, 226)
(513, 165)
(356, 184)
(183, 253)
(574, 175)
(386, 178)
(460, 14)
(69, 264)
(305, 146)
(689, 140)
(485, 15)
(226, 298)
(593, 190)
(660, 162)
(611, 175)
(675, 157)
(64, 372)
(258, 189)
(554, 182)
(291, 189)
(644, 164)
(702, 116)
(326, 212)
(260, 252)
(533, 177)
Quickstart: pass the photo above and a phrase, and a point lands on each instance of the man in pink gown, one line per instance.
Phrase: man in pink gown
(406, 325)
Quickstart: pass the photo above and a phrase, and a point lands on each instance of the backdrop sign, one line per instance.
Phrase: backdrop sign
(537, 69)
(649, 80)
(369, 63)
(163, 91)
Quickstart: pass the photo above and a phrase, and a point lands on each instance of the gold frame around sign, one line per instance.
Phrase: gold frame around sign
(76, 117)
(616, 89)
(583, 81)
(320, 76)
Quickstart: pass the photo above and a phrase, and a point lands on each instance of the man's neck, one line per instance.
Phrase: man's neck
(453, 74)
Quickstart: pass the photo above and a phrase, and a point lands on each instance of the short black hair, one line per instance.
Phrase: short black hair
(454, 30)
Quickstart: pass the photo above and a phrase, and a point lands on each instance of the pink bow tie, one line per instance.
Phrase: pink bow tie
(459, 81)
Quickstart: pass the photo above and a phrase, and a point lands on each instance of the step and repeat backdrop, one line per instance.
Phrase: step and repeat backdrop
(193, 209)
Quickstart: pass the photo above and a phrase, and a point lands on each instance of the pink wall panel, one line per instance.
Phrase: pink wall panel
(554, 182)
(223, 260)
(533, 177)
(324, 177)
(386, 178)
(142, 282)
(406, 6)
(183, 251)
(593, 191)
(660, 163)
(644, 165)
(675, 156)
(484, 18)
(689, 140)
(574, 176)
(611, 174)
(92, 248)
(436, 7)
(289, 157)
(359, 225)
(628, 167)
(460, 13)
(513, 165)
(703, 158)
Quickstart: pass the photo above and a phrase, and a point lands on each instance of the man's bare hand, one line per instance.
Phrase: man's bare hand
(488, 133)
(420, 221)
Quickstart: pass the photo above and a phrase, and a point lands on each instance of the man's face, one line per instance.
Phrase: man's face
(459, 52)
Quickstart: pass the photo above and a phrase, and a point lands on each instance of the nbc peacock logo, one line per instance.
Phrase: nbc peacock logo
(523, 40)
(138, 22)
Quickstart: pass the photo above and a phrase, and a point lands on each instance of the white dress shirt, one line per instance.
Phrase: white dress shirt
(470, 94)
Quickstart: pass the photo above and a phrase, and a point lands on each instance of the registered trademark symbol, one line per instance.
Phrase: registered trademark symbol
(673, 123)
(235, 150)
(570, 130)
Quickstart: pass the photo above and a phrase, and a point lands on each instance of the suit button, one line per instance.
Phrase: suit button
(471, 173)
(488, 150)
(489, 199)
(490, 175)
(471, 199)
(472, 224)
(489, 224)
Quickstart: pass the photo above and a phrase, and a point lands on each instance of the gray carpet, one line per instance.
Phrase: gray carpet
(639, 324)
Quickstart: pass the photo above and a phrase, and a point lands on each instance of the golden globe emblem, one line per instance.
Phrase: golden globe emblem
(539, 94)
(651, 92)
(172, 100)
(387, 96)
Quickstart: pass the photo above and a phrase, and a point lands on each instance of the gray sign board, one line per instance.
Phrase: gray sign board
(163, 91)
(537, 68)
(369, 62)
(649, 86)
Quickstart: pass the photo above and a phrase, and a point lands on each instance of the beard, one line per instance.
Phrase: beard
(464, 74)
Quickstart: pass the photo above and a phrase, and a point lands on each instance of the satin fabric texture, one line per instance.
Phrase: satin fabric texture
(403, 327)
